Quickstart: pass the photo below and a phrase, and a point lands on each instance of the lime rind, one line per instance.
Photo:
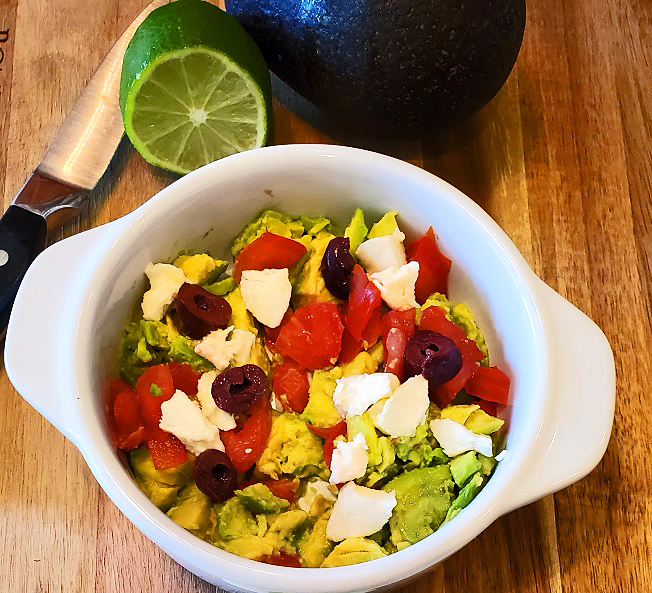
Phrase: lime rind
(174, 125)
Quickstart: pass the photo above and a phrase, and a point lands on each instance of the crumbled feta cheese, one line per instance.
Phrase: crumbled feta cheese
(349, 460)
(217, 348)
(223, 420)
(380, 253)
(313, 490)
(405, 409)
(501, 455)
(165, 281)
(455, 438)
(276, 403)
(183, 418)
(396, 285)
(354, 395)
(266, 294)
(359, 511)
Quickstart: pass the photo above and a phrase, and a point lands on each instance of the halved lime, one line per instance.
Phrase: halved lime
(194, 87)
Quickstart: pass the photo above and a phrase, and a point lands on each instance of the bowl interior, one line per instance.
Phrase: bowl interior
(205, 210)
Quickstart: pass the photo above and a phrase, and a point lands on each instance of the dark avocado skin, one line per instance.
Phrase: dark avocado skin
(393, 68)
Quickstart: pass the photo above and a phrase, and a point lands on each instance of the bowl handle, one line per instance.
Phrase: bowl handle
(581, 413)
(33, 352)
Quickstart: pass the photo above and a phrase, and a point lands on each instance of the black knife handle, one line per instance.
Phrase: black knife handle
(22, 238)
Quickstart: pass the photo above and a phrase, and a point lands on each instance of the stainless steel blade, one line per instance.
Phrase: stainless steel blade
(85, 143)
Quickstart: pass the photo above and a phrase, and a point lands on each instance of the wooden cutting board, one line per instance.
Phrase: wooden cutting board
(562, 159)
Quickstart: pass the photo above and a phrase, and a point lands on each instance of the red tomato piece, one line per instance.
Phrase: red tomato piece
(291, 385)
(168, 452)
(336, 431)
(490, 408)
(372, 330)
(319, 430)
(149, 405)
(364, 299)
(434, 319)
(397, 327)
(128, 428)
(245, 446)
(271, 333)
(490, 384)
(268, 251)
(283, 559)
(313, 336)
(434, 266)
(184, 378)
(350, 348)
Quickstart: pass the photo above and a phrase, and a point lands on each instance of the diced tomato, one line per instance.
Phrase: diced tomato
(184, 378)
(150, 404)
(313, 336)
(319, 430)
(490, 384)
(245, 446)
(434, 319)
(283, 559)
(434, 266)
(397, 327)
(268, 251)
(286, 489)
(490, 408)
(350, 348)
(271, 333)
(372, 330)
(364, 299)
(167, 452)
(336, 431)
(128, 428)
(291, 385)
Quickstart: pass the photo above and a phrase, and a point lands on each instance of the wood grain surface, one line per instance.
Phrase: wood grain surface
(562, 159)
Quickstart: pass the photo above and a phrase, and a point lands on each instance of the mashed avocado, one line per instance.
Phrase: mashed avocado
(292, 449)
(182, 350)
(353, 550)
(192, 510)
(313, 545)
(381, 452)
(258, 498)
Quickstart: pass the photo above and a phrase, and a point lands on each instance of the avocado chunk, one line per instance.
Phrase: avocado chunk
(292, 449)
(473, 418)
(464, 498)
(423, 497)
(235, 521)
(249, 546)
(267, 221)
(240, 317)
(320, 410)
(385, 226)
(136, 354)
(313, 545)
(353, 550)
(258, 498)
(222, 287)
(192, 510)
(157, 334)
(356, 232)
(182, 350)
(200, 268)
(381, 451)
(160, 485)
(309, 287)
(463, 467)
(418, 451)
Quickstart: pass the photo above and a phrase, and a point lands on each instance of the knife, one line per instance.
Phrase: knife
(78, 156)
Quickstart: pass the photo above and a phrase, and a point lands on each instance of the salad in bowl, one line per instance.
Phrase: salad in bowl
(316, 402)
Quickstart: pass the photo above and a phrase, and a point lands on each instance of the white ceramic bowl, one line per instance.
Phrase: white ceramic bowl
(61, 344)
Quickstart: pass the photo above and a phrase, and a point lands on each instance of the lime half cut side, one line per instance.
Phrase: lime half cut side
(193, 106)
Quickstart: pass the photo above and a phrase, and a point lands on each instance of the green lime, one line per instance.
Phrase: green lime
(194, 87)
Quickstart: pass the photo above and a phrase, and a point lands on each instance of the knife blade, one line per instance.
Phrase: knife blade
(76, 159)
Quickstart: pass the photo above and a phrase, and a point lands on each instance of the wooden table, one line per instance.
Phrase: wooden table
(562, 159)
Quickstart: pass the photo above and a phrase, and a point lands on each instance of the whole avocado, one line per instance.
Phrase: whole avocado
(408, 68)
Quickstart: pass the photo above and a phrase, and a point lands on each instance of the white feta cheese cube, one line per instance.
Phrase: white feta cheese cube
(380, 253)
(354, 395)
(396, 285)
(266, 294)
(183, 418)
(349, 460)
(218, 417)
(405, 409)
(455, 438)
(220, 350)
(165, 281)
(359, 511)
(313, 490)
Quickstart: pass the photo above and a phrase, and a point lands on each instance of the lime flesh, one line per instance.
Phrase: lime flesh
(194, 106)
